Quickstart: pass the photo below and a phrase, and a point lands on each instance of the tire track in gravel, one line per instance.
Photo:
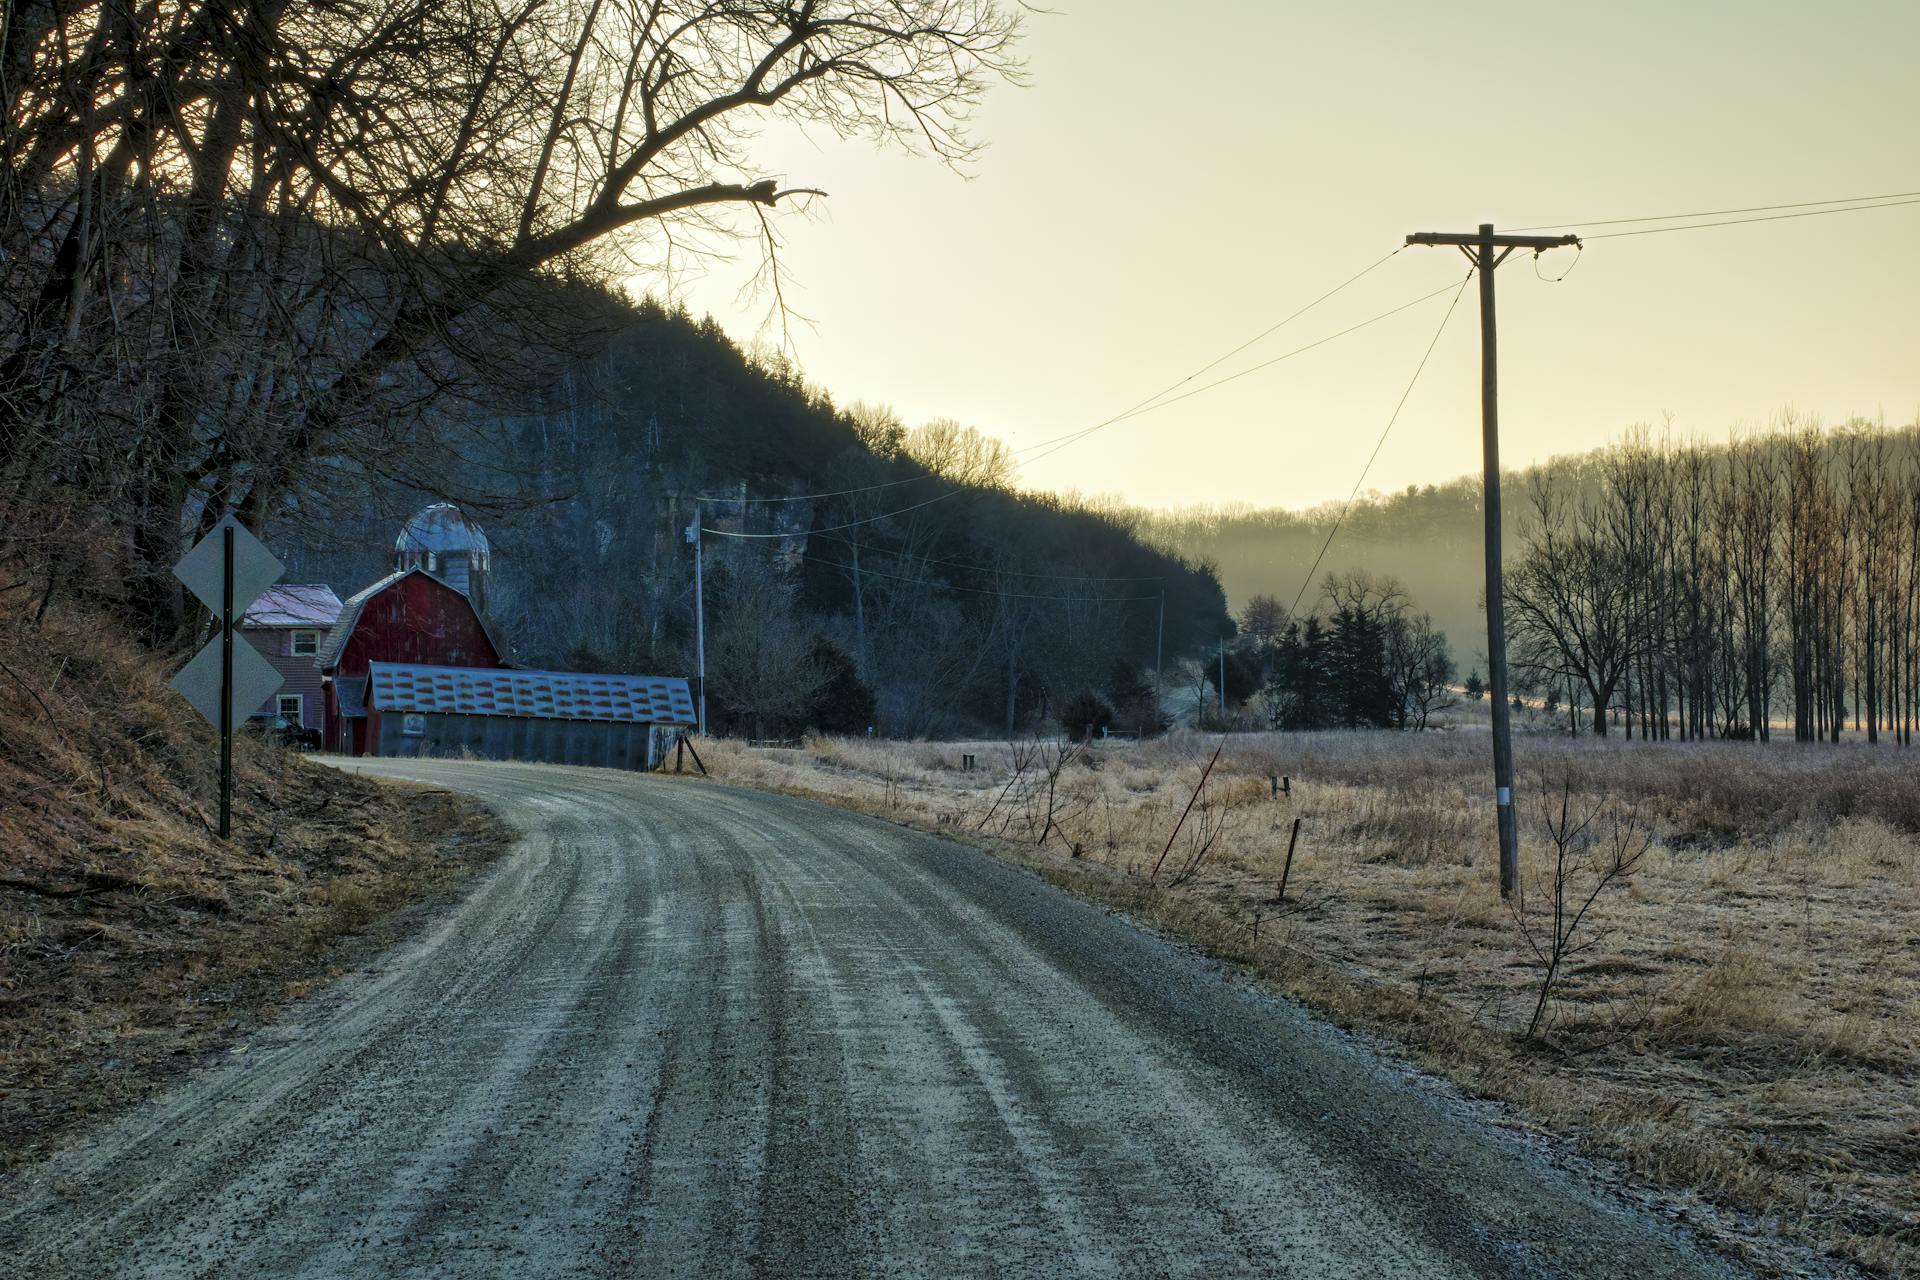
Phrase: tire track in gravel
(686, 1030)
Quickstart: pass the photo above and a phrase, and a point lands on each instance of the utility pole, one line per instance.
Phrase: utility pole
(1223, 682)
(699, 617)
(1480, 249)
(1159, 643)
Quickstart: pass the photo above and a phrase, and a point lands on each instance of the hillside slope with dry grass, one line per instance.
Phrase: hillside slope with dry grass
(1736, 1019)
(132, 940)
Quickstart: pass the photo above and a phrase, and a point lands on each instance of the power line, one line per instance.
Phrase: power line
(1715, 213)
(1074, 437)
(1734, 222)
(1146, 406)
(1124, 413)
(1017, 573)
(811, 497)
(835, 528)
(1272, 328)
(1348, 505)
(988, 591)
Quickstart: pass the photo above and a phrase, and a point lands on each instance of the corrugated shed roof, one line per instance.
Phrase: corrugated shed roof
(546, 695)
(294, 604)
(335, 641)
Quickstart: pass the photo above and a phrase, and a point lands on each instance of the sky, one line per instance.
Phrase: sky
(1176, 178)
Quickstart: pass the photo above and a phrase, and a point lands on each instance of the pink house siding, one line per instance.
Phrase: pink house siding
(282, 612)
(301, 671)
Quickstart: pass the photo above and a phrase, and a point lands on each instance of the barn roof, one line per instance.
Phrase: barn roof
(335, 642)
(543, 695)
(294, 604)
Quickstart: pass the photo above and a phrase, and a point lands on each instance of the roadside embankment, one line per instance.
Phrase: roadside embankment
(133, 941)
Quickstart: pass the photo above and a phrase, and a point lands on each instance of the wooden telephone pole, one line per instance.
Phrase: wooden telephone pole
(1480, 247)
(699, 623)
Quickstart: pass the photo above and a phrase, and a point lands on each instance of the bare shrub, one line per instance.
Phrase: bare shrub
(1057, 805)
(1213, 816)
(1590, 852)
(1021, 757)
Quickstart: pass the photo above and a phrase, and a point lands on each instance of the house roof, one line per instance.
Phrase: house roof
(335, 642)
(543, 695)
(294, 604)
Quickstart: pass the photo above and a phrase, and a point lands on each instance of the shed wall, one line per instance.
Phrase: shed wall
(599, 743)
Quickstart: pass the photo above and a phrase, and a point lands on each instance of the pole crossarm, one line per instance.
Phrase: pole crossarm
(1473, 240)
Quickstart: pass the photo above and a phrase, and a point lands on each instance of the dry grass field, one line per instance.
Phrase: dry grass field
(1736, 1018)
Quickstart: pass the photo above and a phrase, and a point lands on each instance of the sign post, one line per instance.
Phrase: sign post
(226, 570)
(226, 683)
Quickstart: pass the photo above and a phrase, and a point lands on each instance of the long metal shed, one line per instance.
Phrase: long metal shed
(559, 717)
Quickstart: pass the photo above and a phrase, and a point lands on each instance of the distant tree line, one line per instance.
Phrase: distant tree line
(1363, 659)
(1429, 535)
(1697, 591)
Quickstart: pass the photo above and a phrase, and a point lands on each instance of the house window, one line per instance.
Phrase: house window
(306, 644)
(291, 707)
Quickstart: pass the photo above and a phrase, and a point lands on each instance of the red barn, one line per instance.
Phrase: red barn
(409, 617)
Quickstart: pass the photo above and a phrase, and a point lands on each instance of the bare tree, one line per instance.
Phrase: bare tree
(1263, 620)
(245, 245)
(1573, 608)
(962, 455)
(760, 652)
(1419, 669)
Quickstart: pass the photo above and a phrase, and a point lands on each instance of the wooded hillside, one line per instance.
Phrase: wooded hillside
(859, 572)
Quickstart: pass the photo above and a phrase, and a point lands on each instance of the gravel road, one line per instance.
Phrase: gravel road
(685, 1030)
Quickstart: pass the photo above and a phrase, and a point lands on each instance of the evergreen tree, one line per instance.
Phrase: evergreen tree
(844, 703)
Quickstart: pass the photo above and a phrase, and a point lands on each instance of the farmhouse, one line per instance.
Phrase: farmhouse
(564, 717)
(286, 624)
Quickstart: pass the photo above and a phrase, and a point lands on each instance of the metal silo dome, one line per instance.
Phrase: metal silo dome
(444, 542)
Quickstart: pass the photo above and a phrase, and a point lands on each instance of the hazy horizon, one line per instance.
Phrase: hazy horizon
(1158, 194)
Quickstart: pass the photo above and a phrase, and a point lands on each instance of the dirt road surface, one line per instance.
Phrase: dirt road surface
(690, 1031)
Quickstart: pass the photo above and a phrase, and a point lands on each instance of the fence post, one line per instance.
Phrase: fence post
(1286, 868)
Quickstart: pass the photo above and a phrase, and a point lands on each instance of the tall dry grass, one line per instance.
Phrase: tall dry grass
(1742, 1017)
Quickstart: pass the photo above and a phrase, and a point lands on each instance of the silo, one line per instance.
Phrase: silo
(444, 542)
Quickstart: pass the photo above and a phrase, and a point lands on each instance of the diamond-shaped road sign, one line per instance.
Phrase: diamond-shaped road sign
(204, 569)
(228, 679)
(254, 681)
(254, 568)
